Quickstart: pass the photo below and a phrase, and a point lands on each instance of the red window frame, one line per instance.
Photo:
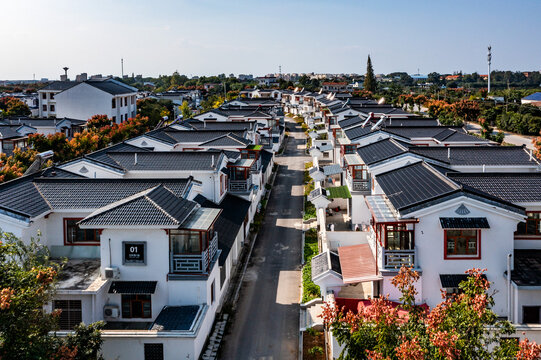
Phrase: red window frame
(462, 256)
(525, 235)
(67, 243)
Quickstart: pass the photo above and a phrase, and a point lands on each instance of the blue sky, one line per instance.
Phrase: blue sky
(203, 37)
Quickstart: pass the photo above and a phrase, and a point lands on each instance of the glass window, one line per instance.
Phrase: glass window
(71, 314)
(185, 242)
(51, 96)
(7, 145)
(44, 96)
(114, 103)
(136, 306)
(75, 235)
(44, 107)
(51, 107)
(532, 226)
(462, 242)
(398, 237)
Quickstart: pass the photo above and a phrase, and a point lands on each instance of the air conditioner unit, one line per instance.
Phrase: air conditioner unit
(112, 272)
(111, 311)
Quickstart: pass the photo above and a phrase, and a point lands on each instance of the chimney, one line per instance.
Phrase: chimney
(448, 153)
(212, 161)
(531, 155)
(204, 124)
(135, 159)
(484, 168)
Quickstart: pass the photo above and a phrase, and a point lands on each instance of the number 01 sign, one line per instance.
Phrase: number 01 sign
(134, 252)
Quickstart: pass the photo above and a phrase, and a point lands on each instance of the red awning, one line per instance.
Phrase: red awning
(357, 263)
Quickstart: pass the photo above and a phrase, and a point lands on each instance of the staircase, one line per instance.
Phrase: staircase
(310, 315)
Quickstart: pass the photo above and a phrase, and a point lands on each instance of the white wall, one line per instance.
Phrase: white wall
(496, 243)
(346, 238)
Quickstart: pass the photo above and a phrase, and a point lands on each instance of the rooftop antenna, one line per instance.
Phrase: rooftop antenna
(489, 59)
(66, 71)
(122, 66)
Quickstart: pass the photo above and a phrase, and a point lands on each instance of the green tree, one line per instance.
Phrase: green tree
(26, 285)
(186, 111)
(369, 79)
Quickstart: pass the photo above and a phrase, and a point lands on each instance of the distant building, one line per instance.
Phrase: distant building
(267, 80)
(534, 99)
(246, 77)
(334, 86)
(82, 100)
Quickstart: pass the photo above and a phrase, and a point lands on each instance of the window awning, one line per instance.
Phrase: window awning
(464, 223)
(452, 280)
(132, 287)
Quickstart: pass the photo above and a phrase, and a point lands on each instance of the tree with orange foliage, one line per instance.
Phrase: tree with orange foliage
(461, 327)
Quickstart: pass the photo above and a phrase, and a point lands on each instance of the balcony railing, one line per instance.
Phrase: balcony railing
(395, 259)
(240, 185)
(359, 185)
(256, 167)
(195, 263)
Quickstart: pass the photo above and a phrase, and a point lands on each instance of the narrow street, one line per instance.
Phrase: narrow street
(266, 322)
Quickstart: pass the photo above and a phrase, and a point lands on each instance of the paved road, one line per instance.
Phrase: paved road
(510, 138)
(266, 322)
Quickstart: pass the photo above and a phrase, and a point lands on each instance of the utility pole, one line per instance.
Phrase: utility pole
(122, 66)
(489, 58)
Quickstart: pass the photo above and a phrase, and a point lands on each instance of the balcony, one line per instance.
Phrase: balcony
(395, 259)
(362, 186)
(256, 167)
(195, 263)
(240, 186)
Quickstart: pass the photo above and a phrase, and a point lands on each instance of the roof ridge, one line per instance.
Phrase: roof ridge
(115, 204)
(43, 196)
(158, 206)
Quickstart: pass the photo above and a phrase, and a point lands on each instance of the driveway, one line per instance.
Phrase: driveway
(510, 138)
(266, 322)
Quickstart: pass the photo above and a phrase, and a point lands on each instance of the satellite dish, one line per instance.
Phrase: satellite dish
(381, 101)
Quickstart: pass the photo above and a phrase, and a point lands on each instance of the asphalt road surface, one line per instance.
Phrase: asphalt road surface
(266, 322)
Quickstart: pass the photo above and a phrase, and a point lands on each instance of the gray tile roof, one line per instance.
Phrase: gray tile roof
(527, 269)
(464, 223)
(87, 193)
(380, 150)
(266, 157)
(60, 85)
(476, 155)
(132, 287)
(168, 160)
(156, 206)
(176, 318)
(413, 184)
(227, 140)
(111, 87)
(103, 157)
(513, 187)
(325, 261)
(193, 136)
(351, 121)
(333, 169)
(229, 222)
(224, 125)
(357, 132)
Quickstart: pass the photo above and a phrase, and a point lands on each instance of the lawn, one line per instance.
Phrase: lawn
(310, 290)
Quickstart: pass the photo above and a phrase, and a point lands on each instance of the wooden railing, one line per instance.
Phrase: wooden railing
(395, 259)
(195, 263)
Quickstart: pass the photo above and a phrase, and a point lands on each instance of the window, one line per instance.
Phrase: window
(399, 237)
(51, 108)
(114, 103)
(73, 235)
(530, 314)
(51, 96)
(126, 101)
(462, 243)
(136, 306)
(185, 242)
(212, 292)
(8, 145)
(44, 96)
(44, 107)
(153, 351)
(71, 314)
(114, 119)
(532, 226)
